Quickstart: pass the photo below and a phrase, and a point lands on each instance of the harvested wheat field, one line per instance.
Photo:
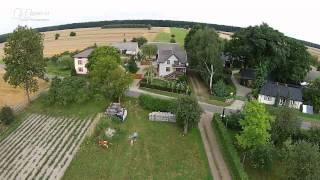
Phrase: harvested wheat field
(88, 36)
(13, 96)
(42, 147)
(314, 52)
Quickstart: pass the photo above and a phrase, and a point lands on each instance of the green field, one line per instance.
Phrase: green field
(161, 152)
(179, 33)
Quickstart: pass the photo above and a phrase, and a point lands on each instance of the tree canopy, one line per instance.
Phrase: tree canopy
(149, 50)
(187, 112)
(140, 40)
(285, 58)
(24, 59)
(101, 53)
(204, 48)
(256, 125)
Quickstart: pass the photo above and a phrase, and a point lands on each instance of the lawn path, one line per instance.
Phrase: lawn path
(218, 166)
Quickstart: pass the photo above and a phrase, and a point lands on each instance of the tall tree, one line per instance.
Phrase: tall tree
(24, 59)
(187, 112)
(140, 40)
(286, 125)
(302, 161)
(204, 51)
(311, 95)
(149, 50)
(103, 52)
(256, 125)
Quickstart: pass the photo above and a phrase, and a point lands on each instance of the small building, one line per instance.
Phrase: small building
(247, 77)
(171, 60)
(127, 48)
(81, 59)
(283, 94)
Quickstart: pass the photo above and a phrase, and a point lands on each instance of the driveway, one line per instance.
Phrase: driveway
(241, 90)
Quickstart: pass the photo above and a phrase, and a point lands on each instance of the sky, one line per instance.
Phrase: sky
(295, 18)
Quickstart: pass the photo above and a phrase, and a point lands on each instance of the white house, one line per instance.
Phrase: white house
(80, 61)
(128, 48)
(286, 94)
(171, 60)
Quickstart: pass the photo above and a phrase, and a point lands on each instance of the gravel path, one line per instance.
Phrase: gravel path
(241, 90)
(218, 167)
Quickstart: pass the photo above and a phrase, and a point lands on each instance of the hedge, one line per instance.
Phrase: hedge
(143, 83)
(156, 104)
(229, 152)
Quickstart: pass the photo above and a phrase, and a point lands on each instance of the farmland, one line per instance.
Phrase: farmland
(41, 147)
(12, 96)
(86, 37)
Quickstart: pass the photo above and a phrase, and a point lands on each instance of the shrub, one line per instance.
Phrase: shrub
(233, 121)
(140, 40)
(172, 40)
(73, 33)
(6, 115)
(132, 66)
(170, 86)
(229, 152)
(56, 36)
(157, 104)
(220, 89)
(65, 62)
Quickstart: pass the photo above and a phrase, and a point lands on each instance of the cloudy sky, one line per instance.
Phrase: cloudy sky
(296, 18)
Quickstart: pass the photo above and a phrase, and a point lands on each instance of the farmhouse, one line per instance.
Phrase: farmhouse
(171, 60)
(127, 48)
(283, 94)
(81, 59)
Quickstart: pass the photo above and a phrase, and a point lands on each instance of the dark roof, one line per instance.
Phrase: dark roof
(128, 46)
(248, 73)
(166, 50)
(84, 54)
(287, 91)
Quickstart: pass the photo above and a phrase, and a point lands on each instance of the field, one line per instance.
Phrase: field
(88, 36)
(314, 52)
(179, 33)
(41, 147)
(161, 152)
(12, 96)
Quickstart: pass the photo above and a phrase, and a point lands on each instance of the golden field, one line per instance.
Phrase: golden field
(12, 96)
(88, 36)
(314, 52)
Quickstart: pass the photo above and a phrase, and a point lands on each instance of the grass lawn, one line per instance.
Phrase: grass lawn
(179, 33)
(306, 117)
(161, 152)
(53, 69)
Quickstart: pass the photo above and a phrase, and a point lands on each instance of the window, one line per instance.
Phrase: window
(167, 69)
(80, 69)
(79, 62)
(168, 62)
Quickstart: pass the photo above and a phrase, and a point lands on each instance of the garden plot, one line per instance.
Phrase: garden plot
(41, 147)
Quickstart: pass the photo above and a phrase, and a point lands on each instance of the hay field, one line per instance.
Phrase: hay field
(88, 36)
(13, 96)
(314, 52)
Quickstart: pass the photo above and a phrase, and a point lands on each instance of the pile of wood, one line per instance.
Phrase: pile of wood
(162, 116)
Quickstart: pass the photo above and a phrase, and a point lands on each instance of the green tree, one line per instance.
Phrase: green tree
(24, 59)
(103, 52)
(204, 49)
(172, 40)
(120, 83)
(65, 62)
(73, 33)
(285, 126)
(140, 40)
(302, 161)
(311, 95)
(220, 89)
(255, 126)
(261, 157)
(187, 112)
(149, 50)
(56, 36)
(132, 66)
(7, 115)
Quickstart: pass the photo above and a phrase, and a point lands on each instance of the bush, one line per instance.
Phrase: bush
(229, 152)
(56, 36)
(172, 40)
(65, 62)
(233, 121)
(140, 40)
(157, 104)
(169, 86)
(220, 89)
(6, 115)
(132, 66)
(73, 33)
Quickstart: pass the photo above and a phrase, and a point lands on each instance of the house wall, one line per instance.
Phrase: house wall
(163, 66)
(82, 65)
(266, 99)
(272, 100)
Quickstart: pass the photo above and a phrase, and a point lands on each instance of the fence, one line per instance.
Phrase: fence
(162, 117)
